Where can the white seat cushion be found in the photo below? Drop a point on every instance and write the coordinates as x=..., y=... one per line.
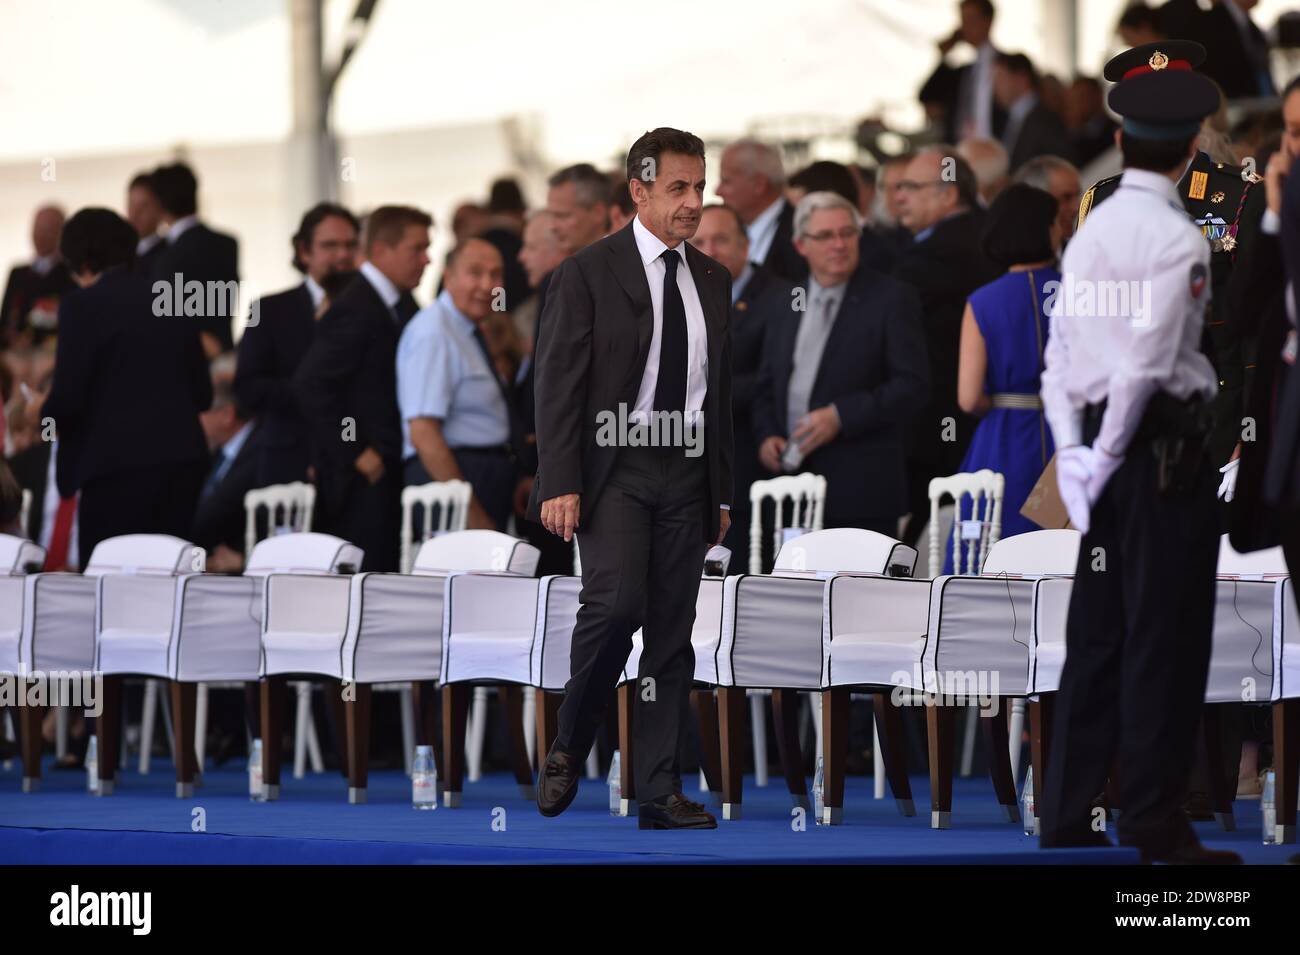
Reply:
x=134, y=651
x=492, y=655
x=886, y=658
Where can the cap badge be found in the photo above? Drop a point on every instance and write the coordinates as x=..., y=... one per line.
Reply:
x=1158, y=61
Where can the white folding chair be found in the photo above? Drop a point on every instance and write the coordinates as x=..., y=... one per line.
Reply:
x=288, y=509
x=806, y=495
x=19, y=558
x=978, y=644
x=771, y=639
x=510, y=631
x=444, y=506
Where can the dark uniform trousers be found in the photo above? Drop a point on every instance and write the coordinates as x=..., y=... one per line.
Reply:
x=1137, y=655
x=642, y=556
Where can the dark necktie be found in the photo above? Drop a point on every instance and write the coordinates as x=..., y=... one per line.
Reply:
x=406, y=308
x=670, y=390
x=506, y=395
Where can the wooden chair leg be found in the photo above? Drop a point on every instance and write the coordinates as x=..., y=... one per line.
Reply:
x=940, y=723
x=1040, y=736
x=889, y=727
x=424, y=694
x=706, y=717
x=1286, y=766
x=184, y=702
x=731, y=733
x=547, y=703
x=997, y=745
x=627, y=752
x=1212, y=741
x=785, y=718
x=835, y=752
x=29, y=739
x=356, y=716
x=274, y=700
x=455, y=712
x=511, y=696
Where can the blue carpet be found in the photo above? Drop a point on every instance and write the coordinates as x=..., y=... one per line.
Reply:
x=312, y=824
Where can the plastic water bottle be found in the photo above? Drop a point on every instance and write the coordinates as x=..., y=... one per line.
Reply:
x=616, y=785
x=255, y=790
x=1269, y=810
x=819, y=788
x=92, y=765
x=424, y=779
x=1029, y=817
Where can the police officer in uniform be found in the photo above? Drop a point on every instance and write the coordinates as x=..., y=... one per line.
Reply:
x=1127, y=397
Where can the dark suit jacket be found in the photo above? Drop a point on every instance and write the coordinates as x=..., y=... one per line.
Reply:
x=219, y=517
x=269, y=355
x=128, y=384
x=1041, y=133
x=765, y=301
x=783, y=259
x=204, y=255
x=144, y=264
x=1227, y=61
x=595, y=335
x=944, y=85
x=31, y=469
x=350, y=371
x=525, y=397
x=873, y=369
x=944, y=269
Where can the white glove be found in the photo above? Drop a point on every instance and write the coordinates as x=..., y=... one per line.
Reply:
x=1228, y=486
x=1073, y=469
x=1102, y=466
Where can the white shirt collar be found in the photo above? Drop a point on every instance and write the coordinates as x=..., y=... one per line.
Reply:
x=1021, y=108
x=315, y=291
x=42, y=264
x=381, y=284
x=1153, y=182
x=143, y=246
x=767, y=218
x=650, y=245
x=738, y=286
x=181, y=226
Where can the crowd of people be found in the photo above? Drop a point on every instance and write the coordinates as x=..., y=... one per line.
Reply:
x=887, y=321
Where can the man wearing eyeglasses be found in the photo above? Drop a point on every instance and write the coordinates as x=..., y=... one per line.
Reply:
x=842, y=373
x=938, y=203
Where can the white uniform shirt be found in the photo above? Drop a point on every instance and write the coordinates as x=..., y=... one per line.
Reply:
x=1127, y=317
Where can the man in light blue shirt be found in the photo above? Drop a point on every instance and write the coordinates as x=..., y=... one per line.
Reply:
x=456, y=412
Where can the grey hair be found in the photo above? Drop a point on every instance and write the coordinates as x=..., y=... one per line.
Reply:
x=1037, y=172
x=822, y=200
x=760, y=157
x=987, y=157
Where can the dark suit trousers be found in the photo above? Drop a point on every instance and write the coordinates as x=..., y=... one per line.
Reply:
x=642, y=556
x=370, y=516
x=153, y=500
x=1137, y=654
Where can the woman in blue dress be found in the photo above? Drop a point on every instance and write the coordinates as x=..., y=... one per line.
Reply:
x=1004, y=331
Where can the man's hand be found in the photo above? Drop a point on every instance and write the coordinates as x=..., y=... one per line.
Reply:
x=1073, y=467
x=224, y=560
x=724, y=524
x=560, y=515
x=1275, y=178
x=370, y=464
x=819, y=426
x=769, y=455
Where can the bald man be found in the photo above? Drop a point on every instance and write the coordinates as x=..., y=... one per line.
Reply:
x=457, y=414
x=30, y=308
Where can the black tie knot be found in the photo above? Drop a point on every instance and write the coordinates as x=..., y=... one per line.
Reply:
x=671, y=259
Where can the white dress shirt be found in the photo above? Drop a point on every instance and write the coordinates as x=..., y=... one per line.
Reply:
x=762, y=231
x=315, y=291
x=381, y=284
x=145, y=245
x=697, y=335
x=1141, y=235
x=180, y=227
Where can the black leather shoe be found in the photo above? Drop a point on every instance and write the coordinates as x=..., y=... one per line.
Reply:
x=1193, y=854
x=675, y=812
x=558, y=782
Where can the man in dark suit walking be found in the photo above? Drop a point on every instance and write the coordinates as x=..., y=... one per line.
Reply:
x=759, y=300
x=272, y=347
x=128, y=388
x=840, y=379
x=636, y=332
x=346, y=386
x=196, y=253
